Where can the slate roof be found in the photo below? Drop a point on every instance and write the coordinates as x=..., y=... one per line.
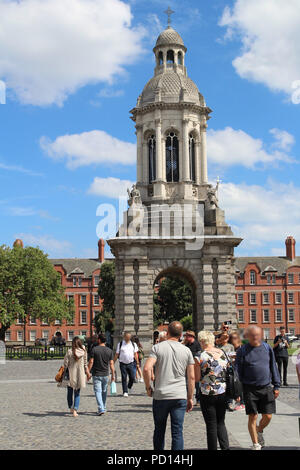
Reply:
x=265, y=264
x=78, y=265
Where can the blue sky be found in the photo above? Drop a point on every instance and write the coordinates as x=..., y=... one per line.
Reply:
x=75, y=69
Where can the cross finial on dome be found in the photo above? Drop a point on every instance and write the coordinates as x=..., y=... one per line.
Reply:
x=169, y=12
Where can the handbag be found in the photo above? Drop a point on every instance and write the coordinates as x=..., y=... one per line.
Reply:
x=113, y=388
x=65, y=380
x=60, y=374
x=234, y=388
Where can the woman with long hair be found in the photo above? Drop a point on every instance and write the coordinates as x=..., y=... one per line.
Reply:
x=75, y=367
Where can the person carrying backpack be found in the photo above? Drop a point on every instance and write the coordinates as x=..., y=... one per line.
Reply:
x=127, y=353
x=257, y=370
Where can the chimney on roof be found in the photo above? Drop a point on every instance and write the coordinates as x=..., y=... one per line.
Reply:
x=101, y=245
x=290, y=244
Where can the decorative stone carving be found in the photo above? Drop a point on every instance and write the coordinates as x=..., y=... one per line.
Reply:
x=134, y=196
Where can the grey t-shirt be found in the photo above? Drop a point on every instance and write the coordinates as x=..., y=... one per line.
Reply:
x=172, y=359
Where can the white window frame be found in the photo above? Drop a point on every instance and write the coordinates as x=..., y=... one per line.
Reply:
x=81, y=303
x=95, y=283
x=21, y=334
x=252, y=281
x=8, y=335
x=85, y=313
x=241, y=316
x=32, y=333
x=32, y=320
x=96, y=304
x=70, y=335
x=266, y=298
x=74, y=281
x=276, y=317
x=252, y=321
x=240, y=298
x=276, y=301
x=43, y=334
x=293, y=315
x=250, y=300
x=266, y=312
x=266, y=333
x=291, y=300
x=291, y=278
x=79, y=281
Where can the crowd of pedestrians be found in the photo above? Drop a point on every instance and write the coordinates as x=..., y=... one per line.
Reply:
x=181, y=366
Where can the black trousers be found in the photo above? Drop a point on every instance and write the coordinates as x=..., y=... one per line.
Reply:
x=214, y=409
x=282, y=361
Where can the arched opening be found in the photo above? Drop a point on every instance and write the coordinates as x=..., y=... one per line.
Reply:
x=160, y=58
x=174, y=298
x=170, y=57
x=179, y=58
x=172, y=158
x=192, y=157
x=152, y=158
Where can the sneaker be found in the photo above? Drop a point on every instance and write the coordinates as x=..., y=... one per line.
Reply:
x=125, y=394
x=141, y=380
x=261, y=440
x=256, y=447
x=101, y=413
x=285, y=384
x=239, y=407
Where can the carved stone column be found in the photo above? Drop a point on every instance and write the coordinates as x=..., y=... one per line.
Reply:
x=139, y=165
x=186, y=153
x=203, y=154
x=159, y=153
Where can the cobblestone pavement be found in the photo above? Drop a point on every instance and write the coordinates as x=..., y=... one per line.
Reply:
x=34, y=414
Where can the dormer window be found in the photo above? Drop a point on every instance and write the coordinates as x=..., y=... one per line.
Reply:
x=160, y=58
x=170, y=57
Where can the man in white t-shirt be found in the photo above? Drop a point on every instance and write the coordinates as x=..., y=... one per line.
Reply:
x=127, y=354
x=172, y=394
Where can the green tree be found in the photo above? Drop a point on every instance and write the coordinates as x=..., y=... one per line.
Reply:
x=30, y=286
x=104, y=319
x=187, y=322
x=172, y=301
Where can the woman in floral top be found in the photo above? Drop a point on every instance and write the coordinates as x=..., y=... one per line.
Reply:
x=210, y=370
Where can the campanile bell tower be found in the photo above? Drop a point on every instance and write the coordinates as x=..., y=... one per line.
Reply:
x=171, y=121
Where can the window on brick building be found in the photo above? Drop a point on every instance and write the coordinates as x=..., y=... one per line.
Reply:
x=290, y=278
x=240, y=299
x=252, y=278
x=266, y=333
x=241, y=316
x=32, y=335
x=273, y=278
x=266, y=298
x=266, y=316
x=20, y=335
x=32, y=320
x=290, y=297
x=96, y=300
x=79, y=282
x=292, y=331
x=74, y=282
x=278, y=315
x=291, y=314
x=278, y=297
x=45, y=334
x=70, y=335
x=20, y=320
x=83, y=317
x=57, y=322
x=7, y=335
x=70, y=297
x=269, y=278
x=252, y=298
x=83, y=333
x=253, y=316
x=83, y=300
x=96, y=281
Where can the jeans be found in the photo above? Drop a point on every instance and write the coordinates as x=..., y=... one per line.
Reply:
x=127, y=369
x=282, y=361
x=161, y=411
x=100, y=389
x=76, y=393
x=214, y=409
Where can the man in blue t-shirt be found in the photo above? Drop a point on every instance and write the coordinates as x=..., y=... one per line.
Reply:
x=258, y=372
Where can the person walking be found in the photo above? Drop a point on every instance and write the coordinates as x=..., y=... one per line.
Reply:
x=211, y=372
x=141, y=355
x=191, y=342
x=258, y=372
x=235, y=340
x=100, y=364
x=127, y=354
x=172, y=361
x=75, y=367
x=281, y=346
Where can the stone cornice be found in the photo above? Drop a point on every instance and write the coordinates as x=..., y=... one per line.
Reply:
x=203, y=110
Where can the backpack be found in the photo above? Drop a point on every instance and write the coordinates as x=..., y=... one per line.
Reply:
x=120, y=347
x=234, y=387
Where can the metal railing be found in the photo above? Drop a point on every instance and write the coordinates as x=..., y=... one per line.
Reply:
x=36, y=352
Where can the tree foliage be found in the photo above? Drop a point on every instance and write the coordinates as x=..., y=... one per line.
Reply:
x=172, y=301
x=104, y=319
x=29, y=285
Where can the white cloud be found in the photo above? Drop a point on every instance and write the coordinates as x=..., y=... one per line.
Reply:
x=228, y=147
x=22, y=211
x=109, y=187
x=51, y=48
x=94, y=147
x=270, y=35
x=19, y=169
x=47, y=243
x=262, y=215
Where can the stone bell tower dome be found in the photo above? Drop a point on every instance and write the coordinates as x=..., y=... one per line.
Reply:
x=171, y=116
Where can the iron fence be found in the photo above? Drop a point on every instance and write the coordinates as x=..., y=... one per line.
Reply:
x=36, y=352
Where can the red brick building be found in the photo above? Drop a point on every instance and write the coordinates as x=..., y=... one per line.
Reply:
x=268, y=291
x=267, y=294
x=80, y=277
